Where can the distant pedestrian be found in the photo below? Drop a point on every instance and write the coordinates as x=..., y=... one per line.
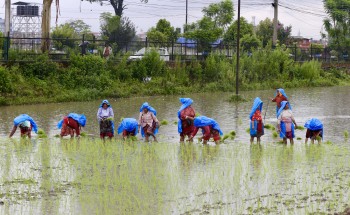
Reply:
x=107, y=51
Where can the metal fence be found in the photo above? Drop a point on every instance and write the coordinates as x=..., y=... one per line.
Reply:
x=28, y=49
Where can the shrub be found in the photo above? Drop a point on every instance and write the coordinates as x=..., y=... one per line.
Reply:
x=5, y=81
x=41, y=68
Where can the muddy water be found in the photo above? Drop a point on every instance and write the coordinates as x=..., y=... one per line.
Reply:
x=40, y=176
x=330, y=105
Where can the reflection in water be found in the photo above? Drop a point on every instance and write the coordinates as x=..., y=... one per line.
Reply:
x=256, y=154
x=209, y=153
x=188, y=155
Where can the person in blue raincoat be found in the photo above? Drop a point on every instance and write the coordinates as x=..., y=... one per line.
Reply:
x=105, y=117
x=26, y=125
x=186, y=116
x=210, y=128
x=256, y=123
x=280, y=97
x=128, y=127
x=71, y=124
x=148, y=121
x=286, y=122
x=314, y=130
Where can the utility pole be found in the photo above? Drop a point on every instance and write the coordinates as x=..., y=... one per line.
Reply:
x=275, y=22
x=186, y=16
x=7, y=16
x=238, y=36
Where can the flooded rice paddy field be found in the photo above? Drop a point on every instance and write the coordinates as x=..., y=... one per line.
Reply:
x=87, y=176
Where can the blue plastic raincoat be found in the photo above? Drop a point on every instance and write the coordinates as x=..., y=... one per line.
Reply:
x=185, y=103
x=257, y=105
x=202, y=121
x=24, y=117
x=80, y=118
x=283, y=126
x=128, y=124
x=314, y=124
x=149, y=108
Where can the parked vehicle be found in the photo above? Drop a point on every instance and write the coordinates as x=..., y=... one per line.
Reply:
x=163, y=53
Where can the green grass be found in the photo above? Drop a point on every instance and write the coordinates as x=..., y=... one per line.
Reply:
x=346, y=134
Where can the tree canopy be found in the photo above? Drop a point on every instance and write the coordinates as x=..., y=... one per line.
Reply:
x=72, y=29
x=163, y=32
x=264, y=32
x=246, y=28
x=117, y=30
x=217, y=17
x=337, y=24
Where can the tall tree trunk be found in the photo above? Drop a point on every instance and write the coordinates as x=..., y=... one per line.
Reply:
x=118, y=7
x=45, y=25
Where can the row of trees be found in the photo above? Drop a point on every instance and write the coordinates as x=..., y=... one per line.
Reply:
x=217, y=23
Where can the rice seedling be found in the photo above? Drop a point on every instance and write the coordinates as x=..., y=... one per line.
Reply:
x=230, y=135
x=132, y=177
x=226, y=136
x=237, y=99
x=299, y=138
x=164, y=122
x=299, y=127
x=247, y=130
x=269, y=127
x=41, y=133
x=175, y=122
x=274, y=134
x=83, y=134
x=346, y=134
x=133, y=138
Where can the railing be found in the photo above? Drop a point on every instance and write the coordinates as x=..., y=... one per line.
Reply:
x=27, y=49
